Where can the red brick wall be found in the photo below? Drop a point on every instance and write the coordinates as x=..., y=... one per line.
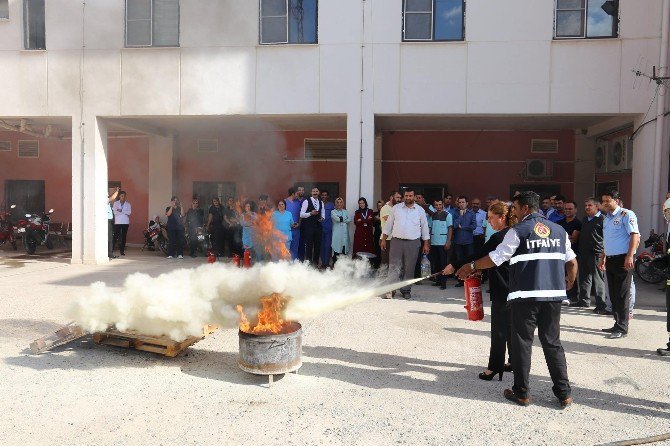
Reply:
x=472, y=163
x=257, y=162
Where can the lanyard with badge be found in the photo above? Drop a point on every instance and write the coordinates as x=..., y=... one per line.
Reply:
x=365, y=216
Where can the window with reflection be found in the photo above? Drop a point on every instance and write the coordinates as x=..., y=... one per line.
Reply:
x=433, y=20
x=288, y=21
x=590, y=19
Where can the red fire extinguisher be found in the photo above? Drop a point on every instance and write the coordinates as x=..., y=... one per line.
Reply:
x=473, y=299
x=236, y=260
x=247, y=258
x=211, y=258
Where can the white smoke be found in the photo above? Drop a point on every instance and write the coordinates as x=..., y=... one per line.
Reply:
x=179, y=303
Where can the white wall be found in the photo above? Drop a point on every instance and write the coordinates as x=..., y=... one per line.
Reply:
x=508, y=63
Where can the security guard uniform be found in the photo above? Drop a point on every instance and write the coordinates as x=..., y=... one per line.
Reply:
x=439, y=233
x=617, y=229
x=537, y=250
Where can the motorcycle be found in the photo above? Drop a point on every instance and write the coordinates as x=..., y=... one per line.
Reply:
x=7, y=229
x=34, y=230
x=156, y=235
x=202, y=239
x=652, y=267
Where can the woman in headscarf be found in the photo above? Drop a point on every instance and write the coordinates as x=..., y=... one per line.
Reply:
x=364, y=221
x=341, y=220
x=500, y=217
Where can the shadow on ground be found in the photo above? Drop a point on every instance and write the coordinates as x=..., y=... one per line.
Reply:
x=365, y=369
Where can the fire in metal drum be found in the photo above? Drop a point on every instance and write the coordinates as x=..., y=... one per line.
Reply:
x=271, y=354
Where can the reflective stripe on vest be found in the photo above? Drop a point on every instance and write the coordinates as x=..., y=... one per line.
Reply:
x=537, y=256
x=536, y=293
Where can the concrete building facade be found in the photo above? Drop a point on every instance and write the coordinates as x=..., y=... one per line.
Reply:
x=444, y=94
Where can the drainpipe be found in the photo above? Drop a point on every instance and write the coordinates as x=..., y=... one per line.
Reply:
x=660, y=121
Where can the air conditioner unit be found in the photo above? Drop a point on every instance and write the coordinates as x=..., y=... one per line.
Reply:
x=539, y=168
x=620, y=156
x=601, y=156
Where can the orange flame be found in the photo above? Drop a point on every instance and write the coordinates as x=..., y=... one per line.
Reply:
x=270, y=238
x=269, y=316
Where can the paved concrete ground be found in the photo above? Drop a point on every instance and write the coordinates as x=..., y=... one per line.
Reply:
x=380, y=372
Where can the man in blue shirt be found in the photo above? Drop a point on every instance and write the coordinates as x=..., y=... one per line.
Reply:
x=293, y=205
x=465, y=224
x=558, y=213
x=480, y=215
x=621, y=238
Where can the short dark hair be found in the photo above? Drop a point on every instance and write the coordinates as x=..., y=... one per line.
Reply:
x=325, y=191
x=393, y=192
x=263, y=197
x=611, y=193
x=528, y=198
x=409, y=189
x=448, y=195
x=546, y=197
x=174, y=197
x=571, y=202
x=463, y=197
x=291, y=190
x=122, y=192
x=560, y=198
x=593, y=199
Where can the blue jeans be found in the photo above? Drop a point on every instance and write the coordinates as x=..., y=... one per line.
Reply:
x=295, y=243
x=176, y=242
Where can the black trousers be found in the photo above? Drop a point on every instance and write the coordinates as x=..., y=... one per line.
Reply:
x=176, y=242
x=619, y=281
x=591, y=280
x=193, y=241
x=526, y=315
x=462, y=252
x=438, y=260
x=217, y=237
x=313, y=234
x=120, y=233
x=110, y=237
x=501, y=332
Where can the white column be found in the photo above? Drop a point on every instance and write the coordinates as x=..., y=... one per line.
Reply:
x=161, y=175
x=89, y=191
x=77, y=193
x=643, y=168
x=378, y=170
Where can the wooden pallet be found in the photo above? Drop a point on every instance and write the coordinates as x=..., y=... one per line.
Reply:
x=162, y=345
x=63, y=335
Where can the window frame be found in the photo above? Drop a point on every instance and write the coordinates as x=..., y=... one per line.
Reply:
x=585, y=25
x=26, y=27
x=288, y=26
x=151, y=21
x=432, y=24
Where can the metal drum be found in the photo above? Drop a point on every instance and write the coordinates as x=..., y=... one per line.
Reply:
x=271, y=354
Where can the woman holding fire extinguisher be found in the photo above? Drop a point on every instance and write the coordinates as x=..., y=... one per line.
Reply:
x=500, y=217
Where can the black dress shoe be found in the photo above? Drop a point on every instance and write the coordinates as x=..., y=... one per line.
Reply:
x=436, y=284
x=608, y=330
x=407, y=295
x=663, y=351
x=443, y=287
x=459, y=284
x=510, y=395
x=617, y=335
x=508, y=368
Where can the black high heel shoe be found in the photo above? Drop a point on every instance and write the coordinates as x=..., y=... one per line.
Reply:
x=487, y=377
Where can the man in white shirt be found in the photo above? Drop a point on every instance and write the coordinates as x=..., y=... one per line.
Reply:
x=384, y=213
x=122, y=211
x=408, y=226
x=312, y=213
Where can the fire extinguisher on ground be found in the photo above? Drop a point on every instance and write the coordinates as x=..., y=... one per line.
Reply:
x=474, y=303
x=247, y=258
x=211, y=257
